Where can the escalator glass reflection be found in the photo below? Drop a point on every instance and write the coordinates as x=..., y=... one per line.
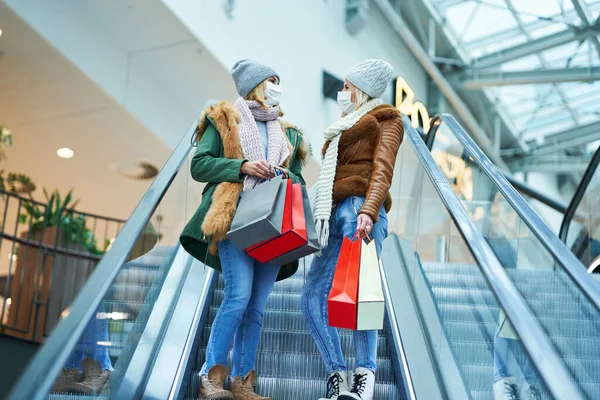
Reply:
x=569, y=317
x=581, y=232
x=471, y=330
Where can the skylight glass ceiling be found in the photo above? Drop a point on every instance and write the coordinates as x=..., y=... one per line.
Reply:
x=484, y=27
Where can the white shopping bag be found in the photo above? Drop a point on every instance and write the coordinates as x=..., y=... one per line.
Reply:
x=371, y=303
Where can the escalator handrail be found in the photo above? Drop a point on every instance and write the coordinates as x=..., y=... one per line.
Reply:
x=571, y=212
x=549, y=240
x=41, y=371
x=435, y=122
x=520, y=186
x=535, y=340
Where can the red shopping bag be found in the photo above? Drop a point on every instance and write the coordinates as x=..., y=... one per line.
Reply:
x=293, y=228
x=342, y=301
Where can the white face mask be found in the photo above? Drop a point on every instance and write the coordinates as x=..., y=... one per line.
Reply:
x=345, y=102
x=272, y=94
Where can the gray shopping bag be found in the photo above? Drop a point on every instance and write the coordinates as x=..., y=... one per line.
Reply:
x=259, y=214
x=312, y=244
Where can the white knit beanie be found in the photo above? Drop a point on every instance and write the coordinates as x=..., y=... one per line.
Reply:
x=371, y=76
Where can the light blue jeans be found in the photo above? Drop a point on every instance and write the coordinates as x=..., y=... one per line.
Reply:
x=503, y=358
x=247, y=287
x=93, y=343
x=318, y=285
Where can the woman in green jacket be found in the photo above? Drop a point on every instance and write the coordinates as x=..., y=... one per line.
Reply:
x=239, y=145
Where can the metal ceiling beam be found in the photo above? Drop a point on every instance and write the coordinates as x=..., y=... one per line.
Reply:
x=446, y=88
x=449, y=3
x=541, y=58
x=535, y=46
x=573, y=137
x=512, y=32
x=475, y=80
x=586, y=18
x=556, y=164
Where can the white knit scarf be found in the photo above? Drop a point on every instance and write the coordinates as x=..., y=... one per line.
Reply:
x=277, y=148
x=322, y=191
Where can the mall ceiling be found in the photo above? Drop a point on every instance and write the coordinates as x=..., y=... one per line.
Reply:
x=49, y=104
x=529, y=72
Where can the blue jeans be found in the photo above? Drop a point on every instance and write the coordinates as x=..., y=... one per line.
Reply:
x=248, y=284
x=93, y=343
x=503, y=357
x=318, y=285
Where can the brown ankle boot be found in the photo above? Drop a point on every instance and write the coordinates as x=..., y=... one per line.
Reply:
x=95, y=378
x=211, y=385
x=66, y=378
x=244, y=390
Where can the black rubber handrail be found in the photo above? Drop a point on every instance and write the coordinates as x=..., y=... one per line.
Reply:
x=41, y=371
x=571, y=212
x=555, y=247
x=524, y=188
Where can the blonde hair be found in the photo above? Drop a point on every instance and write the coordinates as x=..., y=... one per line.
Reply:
x=361, y=98
x=258, y=94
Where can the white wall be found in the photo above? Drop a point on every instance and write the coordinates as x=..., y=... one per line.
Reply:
x=136, y=51
x=299, y=39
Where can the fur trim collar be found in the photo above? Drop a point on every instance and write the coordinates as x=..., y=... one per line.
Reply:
x=226, y=118
x=367, y=126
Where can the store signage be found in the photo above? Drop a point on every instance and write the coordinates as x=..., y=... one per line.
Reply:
x=405, y=102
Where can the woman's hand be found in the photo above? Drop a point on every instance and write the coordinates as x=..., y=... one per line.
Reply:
x=260, y=169
x=284, y=172
x=364, y=225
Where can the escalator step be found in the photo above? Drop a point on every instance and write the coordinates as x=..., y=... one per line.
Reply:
x=298, y=388
x=141, y=275
x=308, y=366
x=127, y=292
x=302, y=342
x=276, y=301
x=526, y=284
x=578, y=328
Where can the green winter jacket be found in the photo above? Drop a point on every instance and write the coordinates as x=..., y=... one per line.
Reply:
x=218, y=139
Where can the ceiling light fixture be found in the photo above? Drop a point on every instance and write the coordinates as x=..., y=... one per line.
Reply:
x=65, y=152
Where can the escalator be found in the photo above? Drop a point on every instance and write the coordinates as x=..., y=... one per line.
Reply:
x=450, y=273
x=579, y=227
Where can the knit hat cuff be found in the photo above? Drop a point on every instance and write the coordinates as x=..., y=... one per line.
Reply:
x=363, y=85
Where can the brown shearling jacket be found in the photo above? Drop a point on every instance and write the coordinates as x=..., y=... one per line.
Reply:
x=366, y=159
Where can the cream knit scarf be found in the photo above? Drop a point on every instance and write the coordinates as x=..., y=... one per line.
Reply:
x=277, y=148
x=322, y=191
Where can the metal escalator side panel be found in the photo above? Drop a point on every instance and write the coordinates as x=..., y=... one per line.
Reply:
x=414, y=321
x=170, y=368
x=135, y=369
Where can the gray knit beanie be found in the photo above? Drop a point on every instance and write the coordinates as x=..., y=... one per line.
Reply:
x=371, y=76
x=248, y=74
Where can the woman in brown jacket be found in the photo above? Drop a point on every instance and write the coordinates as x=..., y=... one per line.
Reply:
x=352, y=196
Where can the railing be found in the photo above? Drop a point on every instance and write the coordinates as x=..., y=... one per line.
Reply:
x=45, y=366
x=540, y=349
x=554, y=246
x=571, y=212
x=47, y=254
x=523, y=188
